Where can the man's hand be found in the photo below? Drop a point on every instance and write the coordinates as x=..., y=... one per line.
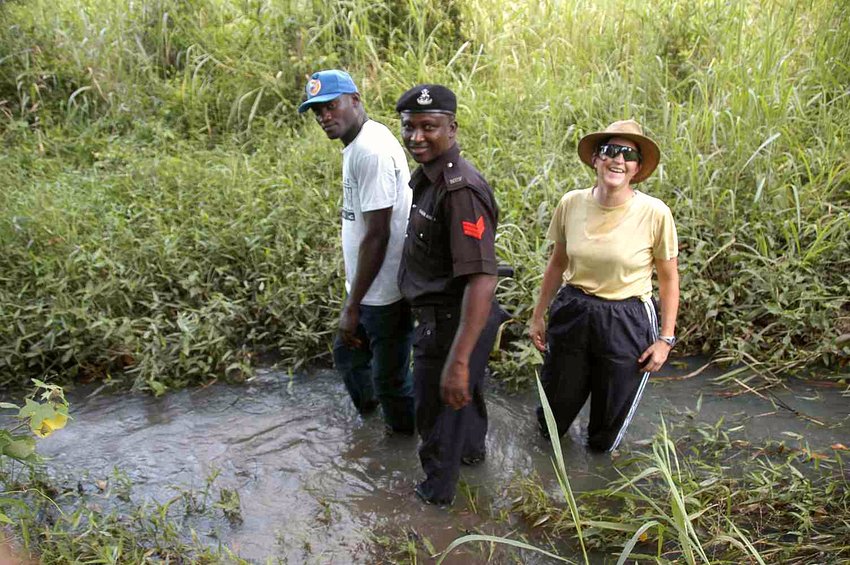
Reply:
x=349, y=319
x=537, y=333
x=654, y=357
x=370, y=257
x=454, y=385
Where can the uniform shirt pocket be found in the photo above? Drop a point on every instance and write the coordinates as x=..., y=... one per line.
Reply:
x=424, y=229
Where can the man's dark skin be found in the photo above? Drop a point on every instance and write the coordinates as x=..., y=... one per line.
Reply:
x=342, y=118
x=427, y=136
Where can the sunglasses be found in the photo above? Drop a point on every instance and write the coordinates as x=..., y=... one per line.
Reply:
x=611, y=150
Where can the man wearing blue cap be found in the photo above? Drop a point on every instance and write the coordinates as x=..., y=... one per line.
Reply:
x=372, y=348
x=448, y=272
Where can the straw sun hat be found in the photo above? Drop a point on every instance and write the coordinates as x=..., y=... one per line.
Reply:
x=627, y=129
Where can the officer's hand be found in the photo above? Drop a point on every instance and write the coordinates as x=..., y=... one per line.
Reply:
x=537, y=333
x=454, y=385
x=654, y=357
x=348, y=321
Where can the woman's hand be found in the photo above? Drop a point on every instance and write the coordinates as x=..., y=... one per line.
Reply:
x=537, y=332
x=551, y=283
x=654, y=357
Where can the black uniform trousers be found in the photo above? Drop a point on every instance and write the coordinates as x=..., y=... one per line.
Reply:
x=448, y=435
x=594, y=346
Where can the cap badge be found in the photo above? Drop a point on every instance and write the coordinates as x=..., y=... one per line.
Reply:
x=314, y=86
x=424, y=98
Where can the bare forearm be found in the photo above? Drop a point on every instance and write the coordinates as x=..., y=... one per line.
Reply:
x=552, y=280
x=669, y=310
x=668, y=292
x=654, y=356
x=370, y=257
x=551, y=284
x=475, y=309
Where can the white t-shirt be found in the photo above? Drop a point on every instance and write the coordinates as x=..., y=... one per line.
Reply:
x=374, y=177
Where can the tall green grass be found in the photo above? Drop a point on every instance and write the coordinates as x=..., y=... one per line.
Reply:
x=674, y=505
x=702, y=493
x=166, y=213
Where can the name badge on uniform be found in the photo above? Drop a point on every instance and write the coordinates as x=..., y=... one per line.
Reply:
x=425, y=215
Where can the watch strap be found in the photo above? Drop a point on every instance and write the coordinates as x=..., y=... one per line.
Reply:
x=668, y=339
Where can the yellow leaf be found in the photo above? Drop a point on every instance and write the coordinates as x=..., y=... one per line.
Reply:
x=50, y=425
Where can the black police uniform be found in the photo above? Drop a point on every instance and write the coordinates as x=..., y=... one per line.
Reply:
x=450, y=235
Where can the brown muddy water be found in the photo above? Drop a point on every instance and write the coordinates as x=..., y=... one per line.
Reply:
x=317, y=482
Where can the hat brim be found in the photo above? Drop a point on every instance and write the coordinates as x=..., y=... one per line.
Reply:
x=318, y=100
x=649, y=152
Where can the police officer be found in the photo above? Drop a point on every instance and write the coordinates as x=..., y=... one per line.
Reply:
x=448, y=272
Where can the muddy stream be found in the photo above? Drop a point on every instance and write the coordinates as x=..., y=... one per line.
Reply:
x=316, y=481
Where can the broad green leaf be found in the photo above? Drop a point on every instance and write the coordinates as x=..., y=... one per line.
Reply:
x=20, y=448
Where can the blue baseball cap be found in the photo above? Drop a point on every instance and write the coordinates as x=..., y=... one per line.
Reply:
x=324, y=86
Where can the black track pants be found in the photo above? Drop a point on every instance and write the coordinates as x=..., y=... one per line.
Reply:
x=594, y=346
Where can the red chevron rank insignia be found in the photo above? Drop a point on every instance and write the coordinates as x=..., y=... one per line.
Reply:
x=475, y=230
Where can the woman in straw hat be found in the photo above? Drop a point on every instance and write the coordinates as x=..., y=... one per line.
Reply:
x=603, y=332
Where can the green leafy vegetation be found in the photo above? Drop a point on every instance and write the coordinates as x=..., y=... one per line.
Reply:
x=44, y=412
x=742, y=502
x=695, y=494
x=166, y=214
x=59, y=523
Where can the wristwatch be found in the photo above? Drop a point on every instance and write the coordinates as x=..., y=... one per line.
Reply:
x=668, y=339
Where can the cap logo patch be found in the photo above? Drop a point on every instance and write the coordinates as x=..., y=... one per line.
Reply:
x=424, y=98
x=314, y=86
x=475, y=230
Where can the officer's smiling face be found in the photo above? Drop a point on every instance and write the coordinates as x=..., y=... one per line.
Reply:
x=427, y=135
x=337, y=116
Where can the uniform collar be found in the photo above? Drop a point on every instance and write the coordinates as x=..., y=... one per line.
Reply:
x=434, y=169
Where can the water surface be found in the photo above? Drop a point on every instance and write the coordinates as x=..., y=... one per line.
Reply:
x=315, y=479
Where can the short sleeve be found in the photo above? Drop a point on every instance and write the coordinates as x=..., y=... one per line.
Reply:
x=666, y=242
x=376, y=179
x=557, y=229
x=472, y=232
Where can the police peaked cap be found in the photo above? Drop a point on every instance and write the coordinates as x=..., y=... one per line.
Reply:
x=427, y=98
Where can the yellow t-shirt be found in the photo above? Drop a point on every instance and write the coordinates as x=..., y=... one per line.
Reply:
x=611, y=251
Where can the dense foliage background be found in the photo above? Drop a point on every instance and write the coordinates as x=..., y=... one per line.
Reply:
x=165, y=213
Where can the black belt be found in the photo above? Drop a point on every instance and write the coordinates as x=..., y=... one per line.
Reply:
x=434, y=312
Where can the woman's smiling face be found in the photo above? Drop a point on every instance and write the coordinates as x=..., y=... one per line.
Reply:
x=615, y=172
